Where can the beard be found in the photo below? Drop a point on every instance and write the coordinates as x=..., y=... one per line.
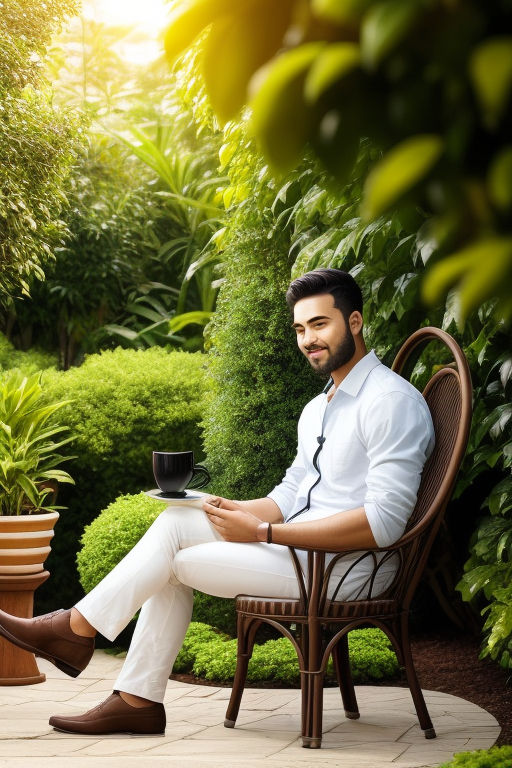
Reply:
x=343, y=353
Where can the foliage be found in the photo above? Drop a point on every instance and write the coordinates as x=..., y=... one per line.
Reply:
x=126, y=404
x=250, y=421
x=487, y=578
x=137, y=268
x=37, y=144
x=28, y=450
x=386, y=70
x=26, y=27
x=217, y=611
x=186, y=187
x=495, y=757
x=114, y=219
x=198, y=634
x=114, y=533
x=253, y=409
x=27, y=362
x=210, y=654
x=89, y=74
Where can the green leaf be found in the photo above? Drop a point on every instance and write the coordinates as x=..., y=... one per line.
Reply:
x=482, y=269
x=57, y=474
x=188, y=318
x=236, y=47
x=339, y=11
x=491, y=72
x=398, y=171
x=119, y=330
x=282, y=121
x=189, y=19
x=384, y=26
x=29, y=488
x=499, y=181
x=332, y=64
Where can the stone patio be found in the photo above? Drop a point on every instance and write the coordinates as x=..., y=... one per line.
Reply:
x=266, y=735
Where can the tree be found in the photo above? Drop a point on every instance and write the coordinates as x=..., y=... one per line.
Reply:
x=37, y=144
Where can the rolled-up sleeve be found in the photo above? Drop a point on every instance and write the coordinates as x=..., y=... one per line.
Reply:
x=399, y=436
x=285, y=493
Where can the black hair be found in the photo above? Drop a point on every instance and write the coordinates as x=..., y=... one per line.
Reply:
x=341, y=285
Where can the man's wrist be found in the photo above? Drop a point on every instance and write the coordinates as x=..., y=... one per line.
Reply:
x=264, y=533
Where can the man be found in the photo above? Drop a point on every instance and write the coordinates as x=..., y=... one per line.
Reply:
x=362, y=444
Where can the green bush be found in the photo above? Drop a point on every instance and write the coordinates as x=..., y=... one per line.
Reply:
x=112, y=535
x=495, y=757
x=260, y=381
x=125, y=404
x=27, y=362
x=217, y=611
x=198, y=635
x=214, y=658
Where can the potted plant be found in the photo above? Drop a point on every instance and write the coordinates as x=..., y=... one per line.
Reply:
x=30, y=442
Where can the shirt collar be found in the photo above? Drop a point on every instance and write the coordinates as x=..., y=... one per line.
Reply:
x=355, y=379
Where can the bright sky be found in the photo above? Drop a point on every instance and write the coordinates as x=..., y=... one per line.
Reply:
x=148, y=17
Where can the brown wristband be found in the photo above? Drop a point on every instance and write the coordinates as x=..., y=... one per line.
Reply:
x=264, y=532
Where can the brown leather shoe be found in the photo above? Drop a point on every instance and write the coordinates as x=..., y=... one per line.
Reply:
x=50, y=637
x=114, y=715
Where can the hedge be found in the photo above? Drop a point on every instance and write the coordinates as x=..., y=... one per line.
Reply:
x=27, y=362
x=260, y=381
x=210, y=655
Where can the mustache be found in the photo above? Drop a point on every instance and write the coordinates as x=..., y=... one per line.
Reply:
x=313, y=347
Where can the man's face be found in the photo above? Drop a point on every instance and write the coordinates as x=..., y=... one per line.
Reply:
x=322, y=334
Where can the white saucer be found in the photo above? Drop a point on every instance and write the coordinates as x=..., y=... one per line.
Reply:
x=192, y=497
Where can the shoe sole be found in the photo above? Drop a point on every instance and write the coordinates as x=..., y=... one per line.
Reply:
x=111, y=734
x=62, y=665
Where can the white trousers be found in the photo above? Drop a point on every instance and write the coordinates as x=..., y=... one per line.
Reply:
x=181, y=552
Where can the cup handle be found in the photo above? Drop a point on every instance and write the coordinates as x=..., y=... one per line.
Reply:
x=203, y=476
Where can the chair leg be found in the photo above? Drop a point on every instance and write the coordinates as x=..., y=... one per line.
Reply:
x=312, y=684
x=246, y=632
x=412, y=679
x=344, y=676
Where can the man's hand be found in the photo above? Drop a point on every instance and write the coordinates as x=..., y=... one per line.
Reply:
x=231, y=522
x=222, y=503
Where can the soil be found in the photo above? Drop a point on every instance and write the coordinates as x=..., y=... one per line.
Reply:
x=450, y=663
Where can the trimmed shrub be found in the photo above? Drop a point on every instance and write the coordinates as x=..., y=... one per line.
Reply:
x=198, y=635
x=125, y=404
x=214, y=657
x=260, y=380
x=495, y=757
x=217, y=611
x=27, y=362
x=112, y=535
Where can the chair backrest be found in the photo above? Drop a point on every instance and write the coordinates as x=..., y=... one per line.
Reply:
x=448, y=394
x=449, y=397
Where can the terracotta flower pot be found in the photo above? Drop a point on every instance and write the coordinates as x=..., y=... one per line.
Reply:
x=24, y=547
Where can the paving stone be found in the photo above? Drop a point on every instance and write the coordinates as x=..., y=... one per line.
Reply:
x=267, y=728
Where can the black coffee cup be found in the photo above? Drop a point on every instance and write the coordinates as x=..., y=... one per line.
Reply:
x=175, y=471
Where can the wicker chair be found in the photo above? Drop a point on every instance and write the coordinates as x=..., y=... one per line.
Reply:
x=318, y=625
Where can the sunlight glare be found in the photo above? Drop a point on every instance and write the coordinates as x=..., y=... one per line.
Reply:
x=147, y=17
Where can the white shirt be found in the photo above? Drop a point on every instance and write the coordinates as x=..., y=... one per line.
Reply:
x=378, y=434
